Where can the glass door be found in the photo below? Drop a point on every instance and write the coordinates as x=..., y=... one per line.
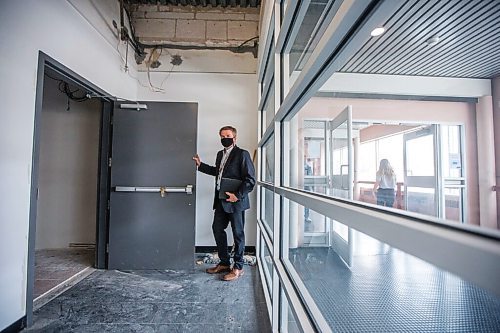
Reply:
x=453, y=174
x=316, y=226
x=420, y=176
x=341, y=178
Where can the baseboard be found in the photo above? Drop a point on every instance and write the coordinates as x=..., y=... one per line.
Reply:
x=17, y=326
x=211, y=249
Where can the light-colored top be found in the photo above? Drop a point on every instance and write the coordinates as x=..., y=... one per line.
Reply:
x=386, y=181
x=225, y=155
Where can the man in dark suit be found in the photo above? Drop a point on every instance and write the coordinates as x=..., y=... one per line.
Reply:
x=234, y=163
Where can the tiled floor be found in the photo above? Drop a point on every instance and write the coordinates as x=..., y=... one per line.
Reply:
x=158, y=301
x=52, y=267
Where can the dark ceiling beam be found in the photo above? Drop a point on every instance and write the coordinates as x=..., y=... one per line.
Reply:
x=204, y=3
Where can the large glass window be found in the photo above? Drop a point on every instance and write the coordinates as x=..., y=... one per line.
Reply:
x=288, y=321
x=268, y=160
x=269, y=66
x=333, y=148
x=307, y=37
x=267, y=209
x=267, y=259
x=268, y=110
x=385, y=135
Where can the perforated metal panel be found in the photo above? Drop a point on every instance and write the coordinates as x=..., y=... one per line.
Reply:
x=393, y=292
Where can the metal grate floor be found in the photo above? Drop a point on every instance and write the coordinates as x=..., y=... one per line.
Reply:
x=392, y=291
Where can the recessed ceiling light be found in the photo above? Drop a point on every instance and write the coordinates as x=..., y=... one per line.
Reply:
x=433, y=40
x=377, y=31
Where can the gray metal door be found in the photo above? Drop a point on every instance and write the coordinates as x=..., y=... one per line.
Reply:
x=152, y=202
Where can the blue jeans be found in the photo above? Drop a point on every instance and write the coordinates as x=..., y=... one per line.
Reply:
x=219, y=226
x=385, y=197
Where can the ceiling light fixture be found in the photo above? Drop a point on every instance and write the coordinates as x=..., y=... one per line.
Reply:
x=433, y=40
x=377, y=31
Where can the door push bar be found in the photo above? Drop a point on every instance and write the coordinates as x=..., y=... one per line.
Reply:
x=161, y=189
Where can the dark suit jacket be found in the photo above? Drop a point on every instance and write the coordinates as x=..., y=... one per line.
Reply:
x=238, y=166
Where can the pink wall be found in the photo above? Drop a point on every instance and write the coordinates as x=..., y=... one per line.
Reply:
x=378, y=131
x=421, y=112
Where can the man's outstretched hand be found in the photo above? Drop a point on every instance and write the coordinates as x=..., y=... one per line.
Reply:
x=197, y=160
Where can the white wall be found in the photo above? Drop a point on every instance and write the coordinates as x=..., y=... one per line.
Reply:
x=223, y=99
x=59, y=30
x=407, y=85
x=79, y=35
x=67, y=183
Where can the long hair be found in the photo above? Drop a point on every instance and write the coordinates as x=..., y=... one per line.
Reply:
x=385, y=168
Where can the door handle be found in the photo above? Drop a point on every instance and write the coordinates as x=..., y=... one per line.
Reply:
x=342, y=167
x=188, y=189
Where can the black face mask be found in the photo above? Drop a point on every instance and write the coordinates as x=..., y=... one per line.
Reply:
x=226, y=142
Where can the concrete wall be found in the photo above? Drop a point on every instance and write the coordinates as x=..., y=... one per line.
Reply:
x=59, y=30
x=188, y=25
x=69, y=148
x=223, y=99
x=201, y=61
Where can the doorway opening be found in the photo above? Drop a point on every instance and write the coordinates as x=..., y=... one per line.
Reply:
x=67, y=187
x=69, y=183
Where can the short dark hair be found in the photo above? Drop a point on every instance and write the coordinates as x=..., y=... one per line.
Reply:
x=228, y=128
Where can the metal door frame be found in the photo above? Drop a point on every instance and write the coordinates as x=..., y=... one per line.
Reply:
x=434, y=180
x=46, y=62
x=454, y=182
x=323, y=181
x=344, y=248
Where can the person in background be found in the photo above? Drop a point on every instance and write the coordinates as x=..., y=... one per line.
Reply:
x=385, y=183
x=235, y=163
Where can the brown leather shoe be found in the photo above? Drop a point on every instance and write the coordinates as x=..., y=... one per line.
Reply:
x=233, y=275
x=218, y=269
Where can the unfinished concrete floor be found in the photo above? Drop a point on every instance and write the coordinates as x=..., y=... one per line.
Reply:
x=157, y=301
x=55, y=266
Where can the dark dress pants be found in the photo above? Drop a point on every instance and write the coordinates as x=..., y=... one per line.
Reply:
x=221, y=222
